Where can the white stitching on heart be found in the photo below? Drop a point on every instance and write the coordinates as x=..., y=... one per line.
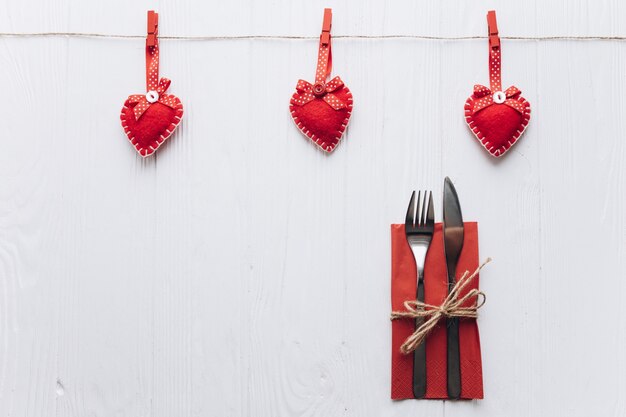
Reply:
x=483, y=141
x=316, y=140
x=173, y=125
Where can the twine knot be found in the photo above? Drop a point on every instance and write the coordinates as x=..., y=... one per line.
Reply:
x=452, y=306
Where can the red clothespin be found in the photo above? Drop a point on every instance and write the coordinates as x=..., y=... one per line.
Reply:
x=153, y=26
x=492, y=24
x=328, y=18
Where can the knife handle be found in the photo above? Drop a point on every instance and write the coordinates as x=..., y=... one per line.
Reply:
x=454, y=359
x=419, y=354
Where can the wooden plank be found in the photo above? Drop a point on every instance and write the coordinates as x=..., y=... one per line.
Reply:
x=243, y=272
x=242, y=17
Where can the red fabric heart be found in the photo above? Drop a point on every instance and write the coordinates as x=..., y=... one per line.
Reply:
x=497, y=126
x=149, y=119
x=319, y=121
x=154, y=127
x=497, y=118
x=322, y=110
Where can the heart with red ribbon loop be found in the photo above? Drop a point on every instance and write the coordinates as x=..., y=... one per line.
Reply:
x=497, y=118
x=322, y=110
x=150, y=119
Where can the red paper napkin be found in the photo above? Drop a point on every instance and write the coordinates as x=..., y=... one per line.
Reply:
x=403, y=288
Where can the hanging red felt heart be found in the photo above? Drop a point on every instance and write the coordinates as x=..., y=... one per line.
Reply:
x=149, y=119
x=497, y=125
x=322, y=110
x=157, y=123
x=497, y=118
x=324, y=117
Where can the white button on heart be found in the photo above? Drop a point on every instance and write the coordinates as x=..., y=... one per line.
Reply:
x=152, y=96
x=499, y=97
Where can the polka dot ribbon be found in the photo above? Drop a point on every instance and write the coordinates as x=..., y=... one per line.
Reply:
x=155, y=87
x=152, y=66
x=495, y=71
x=306, y=93
x=487, y=96
x=156, y=96
x=322, y=89
x=324, y=53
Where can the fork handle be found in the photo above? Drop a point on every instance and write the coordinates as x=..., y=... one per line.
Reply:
x=419, y=354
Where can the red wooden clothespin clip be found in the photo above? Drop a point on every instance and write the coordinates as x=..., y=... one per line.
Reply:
x=153, y=26
x=328, y=18
x=494, y=39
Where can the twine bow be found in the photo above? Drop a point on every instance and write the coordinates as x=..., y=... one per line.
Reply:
x=142, y=102
x=308, y=92
x=453, y=306
x=486, y=98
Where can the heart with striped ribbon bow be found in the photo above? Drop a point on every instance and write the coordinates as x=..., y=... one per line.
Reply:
x=497, y=118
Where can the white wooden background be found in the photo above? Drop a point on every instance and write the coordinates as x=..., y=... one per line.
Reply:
x=241, y=272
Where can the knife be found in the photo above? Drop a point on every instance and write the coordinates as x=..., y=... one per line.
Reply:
x=453, y=243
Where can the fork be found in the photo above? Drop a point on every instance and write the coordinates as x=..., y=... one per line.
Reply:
x=419, y=226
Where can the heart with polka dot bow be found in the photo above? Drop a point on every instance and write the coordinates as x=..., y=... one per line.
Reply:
x=150, y=119
x=322, y=110
x=497, y=118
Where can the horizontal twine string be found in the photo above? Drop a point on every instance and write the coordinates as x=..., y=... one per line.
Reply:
x=277, y=37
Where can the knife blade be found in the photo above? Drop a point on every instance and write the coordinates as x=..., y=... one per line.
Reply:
x=453, y=234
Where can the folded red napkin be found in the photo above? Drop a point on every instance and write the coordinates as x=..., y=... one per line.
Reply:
x=404, y=287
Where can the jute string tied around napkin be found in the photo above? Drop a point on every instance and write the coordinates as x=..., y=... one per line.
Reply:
x=452, y=306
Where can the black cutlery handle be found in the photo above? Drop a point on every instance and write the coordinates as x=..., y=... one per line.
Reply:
x=454, y=359
x=419, y=355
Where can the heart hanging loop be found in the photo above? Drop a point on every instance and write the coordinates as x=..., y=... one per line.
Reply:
x=495, y=61
x=152, y=52
x=324, y=55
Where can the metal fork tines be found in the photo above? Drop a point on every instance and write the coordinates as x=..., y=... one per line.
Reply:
x=419, y=227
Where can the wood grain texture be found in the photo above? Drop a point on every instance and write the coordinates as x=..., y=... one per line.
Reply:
x=241, y=272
